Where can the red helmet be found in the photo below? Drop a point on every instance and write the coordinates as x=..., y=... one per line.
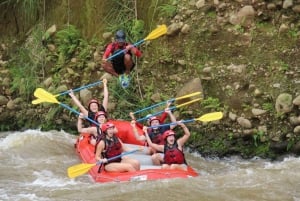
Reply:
x=168, y=133
x=153, y=118
x=106, y=126
x=98, y=114
x=93, y=101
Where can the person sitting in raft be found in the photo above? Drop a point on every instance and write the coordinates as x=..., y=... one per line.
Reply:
x=162, y=118
x=111, y=146
x=172, y=149
x=95, y=131
x=93, y=105
x=155, y=133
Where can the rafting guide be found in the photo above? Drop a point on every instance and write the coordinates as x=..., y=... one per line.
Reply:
x=122, y=64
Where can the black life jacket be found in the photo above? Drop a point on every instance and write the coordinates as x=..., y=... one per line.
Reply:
x=156, y=136
x=172, y=155
x=100, y=136
x=112, y=148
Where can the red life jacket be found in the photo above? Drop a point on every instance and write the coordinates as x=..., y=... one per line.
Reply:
x=112, y=148
x=157, y=137
x=100, y=136
x=172, y=155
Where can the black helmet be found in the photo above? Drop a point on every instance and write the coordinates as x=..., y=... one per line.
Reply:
x=120, y=36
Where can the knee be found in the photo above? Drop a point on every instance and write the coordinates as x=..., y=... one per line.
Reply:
x=127, y=57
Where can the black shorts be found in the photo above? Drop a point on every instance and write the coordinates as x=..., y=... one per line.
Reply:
x=118, y=63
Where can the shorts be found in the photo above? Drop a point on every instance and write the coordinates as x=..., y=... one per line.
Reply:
x=118, y=63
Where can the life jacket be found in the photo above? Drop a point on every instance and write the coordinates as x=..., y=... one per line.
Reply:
x=156, y=136
x=172, y=155
x=112, y=148
x=100, y=136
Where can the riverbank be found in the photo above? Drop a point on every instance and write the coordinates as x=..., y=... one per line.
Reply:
x=242, y=56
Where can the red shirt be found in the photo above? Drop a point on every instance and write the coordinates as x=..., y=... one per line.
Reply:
x=112, y=47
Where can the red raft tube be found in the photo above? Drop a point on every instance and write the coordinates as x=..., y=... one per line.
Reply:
x=148, y=171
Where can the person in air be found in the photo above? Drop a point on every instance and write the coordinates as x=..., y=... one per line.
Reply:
x=93, y=105
x=122, y=64
x=111, y=146
x=172, y=149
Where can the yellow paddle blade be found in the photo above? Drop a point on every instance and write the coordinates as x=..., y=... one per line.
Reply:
x=79, y=169
x=210, y=117
x=45, y=96
x=187, y=103
x=159, y=31
x=38, y=101
x=189, y=95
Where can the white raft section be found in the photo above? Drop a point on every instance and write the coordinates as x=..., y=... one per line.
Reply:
x=142, y=156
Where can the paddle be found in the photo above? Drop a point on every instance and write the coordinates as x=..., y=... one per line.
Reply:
x=37, y=101
x=159, y=31
x=45, y=96
x=80, y=169
x=170, y=100
x=171, y=108
x=213, y=116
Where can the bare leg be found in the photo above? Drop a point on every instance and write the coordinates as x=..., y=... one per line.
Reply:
x=109, y=68
x=128, y=63
x=135, y=163
x=119, y=167
x=157, y=159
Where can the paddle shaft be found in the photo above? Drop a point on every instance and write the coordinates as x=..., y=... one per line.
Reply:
x=76, y=112
x=119, y=156
x=164, y=102
x=124, y=50
x=80, y=88
x=174, y=123
x=154, y=106
x=171, y=108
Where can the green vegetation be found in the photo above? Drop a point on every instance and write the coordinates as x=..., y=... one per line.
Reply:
x=257, y=137
x=167, y=10
x=29, y=61
x=211, y=103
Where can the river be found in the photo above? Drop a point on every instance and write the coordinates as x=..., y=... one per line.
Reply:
x=34, y=168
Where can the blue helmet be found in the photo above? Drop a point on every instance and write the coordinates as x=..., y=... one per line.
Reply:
x=120, y=36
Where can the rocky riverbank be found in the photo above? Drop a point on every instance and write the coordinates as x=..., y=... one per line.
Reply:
x=242, y=55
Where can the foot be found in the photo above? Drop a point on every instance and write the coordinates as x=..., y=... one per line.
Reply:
x=124, y=80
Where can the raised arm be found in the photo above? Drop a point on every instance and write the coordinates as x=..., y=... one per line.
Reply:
x=105, y=95
x=136, y=123
x=164, y=115
x=151, y=144
x=186, y=135
x=91, y=130
x=135, y=132
x=172, y=117
x=78, y=103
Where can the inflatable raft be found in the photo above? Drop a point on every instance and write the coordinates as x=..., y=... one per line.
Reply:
x=148, y=171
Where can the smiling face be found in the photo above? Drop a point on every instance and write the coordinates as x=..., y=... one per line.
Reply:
x=110, y=131
x=101, y=119
x=94, y=107
x=171, y=139
x=154, y=122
